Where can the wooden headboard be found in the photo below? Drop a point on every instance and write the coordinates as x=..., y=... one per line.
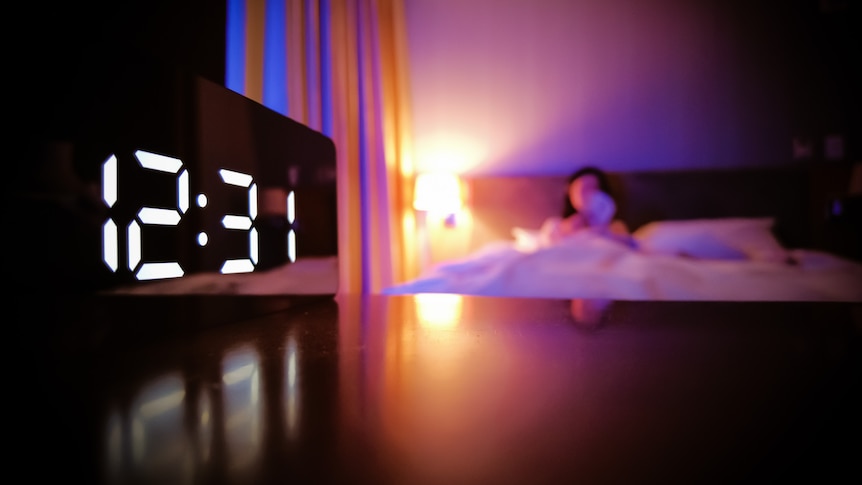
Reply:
x=797, y=197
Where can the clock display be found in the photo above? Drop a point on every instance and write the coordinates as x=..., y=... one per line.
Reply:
x=172, y=217
x=166, y=174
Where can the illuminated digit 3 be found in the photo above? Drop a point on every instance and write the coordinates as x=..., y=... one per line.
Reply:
x=242, y=222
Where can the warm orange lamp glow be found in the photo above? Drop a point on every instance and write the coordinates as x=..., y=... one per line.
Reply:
x=437, y=192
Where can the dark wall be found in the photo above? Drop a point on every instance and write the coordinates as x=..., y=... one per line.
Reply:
x=60, y=46
x=825, y=74
x=542, y=87
x=190, y=33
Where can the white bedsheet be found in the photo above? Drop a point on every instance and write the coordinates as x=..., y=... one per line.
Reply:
x=306, y=276
x=589, y=266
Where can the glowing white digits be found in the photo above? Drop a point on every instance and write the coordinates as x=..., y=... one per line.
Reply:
x=160, y=217
x=145, y=216
x=110, y=243
x=291, y=234
x=242, y=222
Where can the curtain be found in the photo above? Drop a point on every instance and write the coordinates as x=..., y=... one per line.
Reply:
x=340, y=67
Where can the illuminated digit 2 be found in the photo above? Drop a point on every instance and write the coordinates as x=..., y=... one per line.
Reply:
x=157, y=216
x=242, y=222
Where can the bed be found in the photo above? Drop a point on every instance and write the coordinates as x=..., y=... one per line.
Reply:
x=730, y=235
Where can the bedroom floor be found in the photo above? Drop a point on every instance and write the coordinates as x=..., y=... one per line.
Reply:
x=433, y=389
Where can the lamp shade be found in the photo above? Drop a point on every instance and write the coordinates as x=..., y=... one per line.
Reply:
x=437, y=192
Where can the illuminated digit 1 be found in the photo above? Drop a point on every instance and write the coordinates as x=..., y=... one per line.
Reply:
x=157, y=216
x=110, y=244
x=243, y=222
x=291, y=234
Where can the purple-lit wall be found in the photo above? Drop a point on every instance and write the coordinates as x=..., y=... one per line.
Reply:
x=542, y=86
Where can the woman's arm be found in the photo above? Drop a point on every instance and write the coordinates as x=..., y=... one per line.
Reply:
x=556, y=228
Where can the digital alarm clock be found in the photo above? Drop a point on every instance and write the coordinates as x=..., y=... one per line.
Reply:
x=144, y=172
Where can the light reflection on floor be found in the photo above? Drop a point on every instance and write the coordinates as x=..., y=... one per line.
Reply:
x=149, y=439
x=242, y=409
x=167, y=431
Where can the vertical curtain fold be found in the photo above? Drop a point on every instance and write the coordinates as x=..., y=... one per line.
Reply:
x=347, y=77
x=397, y=148
x=297, y=100
x=254, y=44
x=312, y=49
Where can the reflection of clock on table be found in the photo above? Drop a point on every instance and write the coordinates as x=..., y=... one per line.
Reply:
x=145, y=172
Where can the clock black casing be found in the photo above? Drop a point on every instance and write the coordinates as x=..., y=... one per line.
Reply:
x=55, y=209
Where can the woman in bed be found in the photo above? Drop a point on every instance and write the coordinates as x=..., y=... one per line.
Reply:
x=588, y=205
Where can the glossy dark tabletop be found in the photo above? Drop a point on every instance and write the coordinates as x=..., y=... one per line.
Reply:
x=433, y=389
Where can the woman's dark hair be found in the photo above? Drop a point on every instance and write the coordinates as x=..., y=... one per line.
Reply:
x=604, y=186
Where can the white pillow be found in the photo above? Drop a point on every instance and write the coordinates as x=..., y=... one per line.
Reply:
x=723, y=238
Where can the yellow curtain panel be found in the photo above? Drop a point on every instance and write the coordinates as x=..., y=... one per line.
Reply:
x=346, y=76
